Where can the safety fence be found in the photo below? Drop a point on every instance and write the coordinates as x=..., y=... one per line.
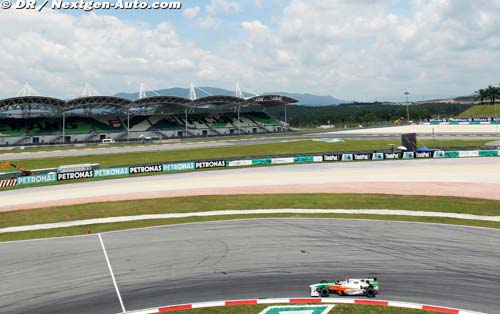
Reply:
x=89, y=171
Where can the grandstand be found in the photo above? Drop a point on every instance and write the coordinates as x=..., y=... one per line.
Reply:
x=31, y=119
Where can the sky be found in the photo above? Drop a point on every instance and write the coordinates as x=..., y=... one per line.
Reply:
x=350, y=49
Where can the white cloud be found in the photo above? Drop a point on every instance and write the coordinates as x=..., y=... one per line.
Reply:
x=191, y=13
x=213, y=10
x=209, y=21
x=111, y=54
x=255, y=26
x=217, y=7
x=349, y=49
x=362, y=49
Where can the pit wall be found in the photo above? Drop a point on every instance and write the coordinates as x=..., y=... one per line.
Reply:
x=68, y=173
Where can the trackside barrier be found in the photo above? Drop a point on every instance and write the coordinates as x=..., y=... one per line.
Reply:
x=471, y=153
x=111, y=172
x=408, y=155
x=488, y=153
x=189, y=306
x=347, y=157
x=265, y=161
x=178, y=166
x=90, y=170
x=451, y=154
x=439, y=154
x=275, y=161
x=300, y=159
x=240, y=163
x=8, y=183
x=41, y=178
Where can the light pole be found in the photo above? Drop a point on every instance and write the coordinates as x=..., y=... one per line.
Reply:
x=407, y=106
x=239, y=129
x=128, y=125
x=64, y=127
x=186, y=120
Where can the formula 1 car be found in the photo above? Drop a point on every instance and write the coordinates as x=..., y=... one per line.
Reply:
x=367, y=287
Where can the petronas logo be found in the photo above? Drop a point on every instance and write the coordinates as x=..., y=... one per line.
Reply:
x=298, y=309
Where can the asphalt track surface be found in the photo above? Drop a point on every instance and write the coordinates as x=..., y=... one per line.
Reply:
x=423, y=263
x=231, y=142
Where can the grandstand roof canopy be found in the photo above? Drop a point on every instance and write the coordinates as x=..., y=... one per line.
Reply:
x=272, y=100
x=219, y=101
x=162, y=100
x=98, y=101
x=19, y=103
x=118, y=103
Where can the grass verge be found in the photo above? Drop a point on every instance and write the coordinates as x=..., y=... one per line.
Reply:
x=298, y=147
x=480, y=111
x=236, y=202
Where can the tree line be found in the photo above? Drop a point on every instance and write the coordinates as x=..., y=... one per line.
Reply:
x=491, y=93
x=313, y=116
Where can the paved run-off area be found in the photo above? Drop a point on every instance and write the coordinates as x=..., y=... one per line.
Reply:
x=450, y=266
x=469, y=177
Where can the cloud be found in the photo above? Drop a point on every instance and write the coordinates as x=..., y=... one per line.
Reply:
x=191, y=13
x=213, y=10
x=57, y=53
x=220, y=7
x=348, y=49
x=209, y=21
x=363, y=49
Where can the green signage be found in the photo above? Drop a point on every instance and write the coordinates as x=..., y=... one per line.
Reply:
x=488, y=153
x=450, y=154
x=109, y=172
x=266, y=161
x=299, y=159
x=178, y=166
x=41, y=178
x=298, y=309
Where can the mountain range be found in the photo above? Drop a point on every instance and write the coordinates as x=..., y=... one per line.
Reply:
x=304, y=99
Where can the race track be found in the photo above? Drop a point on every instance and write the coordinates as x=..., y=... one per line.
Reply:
x=434, y=264
x=480, y=132
x=473, y=177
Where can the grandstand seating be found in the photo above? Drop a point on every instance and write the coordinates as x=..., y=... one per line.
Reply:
x=140, y=123
x=166, y=123
x=262, y=118
x=51, y=126
x=219, y=121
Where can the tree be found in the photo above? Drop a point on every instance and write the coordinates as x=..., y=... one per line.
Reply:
x=492, y=93
x=481, y=94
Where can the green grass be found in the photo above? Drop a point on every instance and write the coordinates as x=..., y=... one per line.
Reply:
x=338, y=309
x=235, y=202
x=298, y=147
x=481, y=111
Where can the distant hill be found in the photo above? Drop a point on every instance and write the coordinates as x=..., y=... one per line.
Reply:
x=304, y=99
x=312, y=100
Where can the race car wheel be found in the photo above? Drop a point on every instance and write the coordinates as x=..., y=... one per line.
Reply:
x=370, y=293
x=323, y=281
x=325, y=292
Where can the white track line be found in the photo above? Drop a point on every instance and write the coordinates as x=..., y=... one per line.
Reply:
x=112, y=275
x=394, y=212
